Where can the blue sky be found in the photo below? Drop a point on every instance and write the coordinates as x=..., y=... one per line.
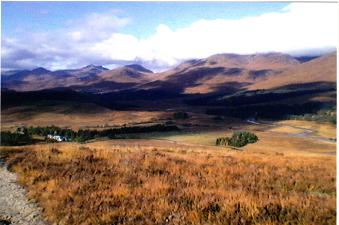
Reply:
x=144, y=16
x=158, y=35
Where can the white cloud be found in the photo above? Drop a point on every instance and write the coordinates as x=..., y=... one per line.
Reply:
x=64, y=48
x=117, y=46
x=95, y=26
x=298, y=28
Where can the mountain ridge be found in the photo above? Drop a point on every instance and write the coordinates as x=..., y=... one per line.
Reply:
x=212, y=74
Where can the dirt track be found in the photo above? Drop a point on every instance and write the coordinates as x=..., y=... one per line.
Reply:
x=15, y=208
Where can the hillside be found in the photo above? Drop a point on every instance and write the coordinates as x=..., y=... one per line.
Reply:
x=252, y=62
x=322, y=69
x=126, y=74
x=88, y=78
x=40, y=78
x=225, y=73
x=221, y=73
x=275, y=61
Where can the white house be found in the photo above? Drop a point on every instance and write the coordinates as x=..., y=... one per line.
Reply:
x=57, y=137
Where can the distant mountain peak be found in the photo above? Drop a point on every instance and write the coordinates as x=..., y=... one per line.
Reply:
x=40, y=70
x=92, y=66
x=271, y=54
x=138, y=68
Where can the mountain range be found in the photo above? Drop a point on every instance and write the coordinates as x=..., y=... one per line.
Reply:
x=272, y=85
x=216, y=74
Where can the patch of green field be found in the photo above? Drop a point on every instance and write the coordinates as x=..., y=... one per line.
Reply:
x=196, y=138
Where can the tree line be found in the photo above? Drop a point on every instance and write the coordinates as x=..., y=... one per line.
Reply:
x=24, y=135
x=9, y=138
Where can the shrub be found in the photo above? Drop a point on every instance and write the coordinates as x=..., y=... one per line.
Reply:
x=333, y=120
x=238, y=139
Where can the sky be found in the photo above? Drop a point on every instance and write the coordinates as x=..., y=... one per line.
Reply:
x=158, y=35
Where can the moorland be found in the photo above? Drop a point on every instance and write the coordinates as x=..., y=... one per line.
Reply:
x=141, y=146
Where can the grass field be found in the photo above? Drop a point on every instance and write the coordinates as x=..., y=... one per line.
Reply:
x=81, y=116
x=326, y=130
x=183, y=178
x=281, y=137
x=82, y=184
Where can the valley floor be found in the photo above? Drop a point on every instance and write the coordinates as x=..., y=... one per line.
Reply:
x=287, y=177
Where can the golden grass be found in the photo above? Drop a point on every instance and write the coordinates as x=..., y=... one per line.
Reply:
x=131, y=183
x=65, y=117
x=200, y=138
x=286, y=129
x=280, y=143
x=275, y=140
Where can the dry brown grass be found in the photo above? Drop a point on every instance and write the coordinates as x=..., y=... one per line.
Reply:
x=92, y=184
x=271, y=138
x=275, y=142
x=286, y=129
x=90, y=116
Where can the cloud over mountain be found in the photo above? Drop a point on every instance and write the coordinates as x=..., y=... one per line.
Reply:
x=299, y=28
